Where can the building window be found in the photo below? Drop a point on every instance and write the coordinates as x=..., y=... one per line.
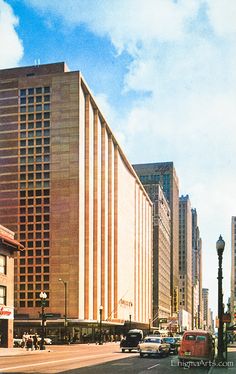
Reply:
x=2, y=295
x=2, y=264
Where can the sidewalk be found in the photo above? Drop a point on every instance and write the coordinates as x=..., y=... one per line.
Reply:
x=231, y=363
x=6, y=352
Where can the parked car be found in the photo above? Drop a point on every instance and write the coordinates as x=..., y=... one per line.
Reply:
x=132, y=340
x=173, y=344
x=46, y=340
x=154, y=345
x=197, y=345
x=18, y=343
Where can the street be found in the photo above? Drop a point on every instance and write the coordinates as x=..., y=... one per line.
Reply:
x=88, y=359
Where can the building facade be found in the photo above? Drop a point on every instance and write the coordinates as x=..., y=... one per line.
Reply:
x=164, y=173
x=196, y=271
x=8, y=245
x=205, y=302
x=233, y=271
x=74, y=200
x=185, y=254
x=161, y=254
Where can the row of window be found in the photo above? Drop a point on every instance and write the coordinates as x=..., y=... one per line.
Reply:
x=34, y=142
x=33, y=99
x=34, y=90
x=31, y=304
x=32, y=125
x=31, y=269
x=31, y=295
x=34, y=108
x=31, y=261
x=34, y=252
x=36, y=133
x=35, y=227
x=37, y=286
x=34, y=278
x=34, y=116
x=39, y=175
x=36, y=167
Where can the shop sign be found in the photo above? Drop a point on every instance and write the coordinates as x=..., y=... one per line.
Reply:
x=6, y=312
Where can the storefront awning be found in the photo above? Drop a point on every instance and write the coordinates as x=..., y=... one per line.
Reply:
x=11, y=242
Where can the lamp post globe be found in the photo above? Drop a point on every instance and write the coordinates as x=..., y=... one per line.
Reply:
x=220, y=246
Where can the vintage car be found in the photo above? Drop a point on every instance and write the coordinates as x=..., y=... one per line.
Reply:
x=197, y=345
x=173, y=344
x=154, y=345
x=132, y=340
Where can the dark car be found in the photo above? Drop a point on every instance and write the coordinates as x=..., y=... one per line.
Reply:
x=131, y=341
x=173, y=344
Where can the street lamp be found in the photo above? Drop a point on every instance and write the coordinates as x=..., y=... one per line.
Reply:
x=43, y=297
x=100, y=325
x=220, y=245
x=65, y=305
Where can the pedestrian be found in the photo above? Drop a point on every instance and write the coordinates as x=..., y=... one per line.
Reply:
x=35, y=341
x=29, y=343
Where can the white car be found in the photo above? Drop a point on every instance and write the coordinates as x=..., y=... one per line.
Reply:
x=154, y=345
x=46, y=340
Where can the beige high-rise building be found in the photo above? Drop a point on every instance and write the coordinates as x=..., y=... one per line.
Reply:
x=196, y=271
x=161, y=254
x=164, y=173
x=75, y=202
x=185, y=254
x=233, y=271
x=205, y=302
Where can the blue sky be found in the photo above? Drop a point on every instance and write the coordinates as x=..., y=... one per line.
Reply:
x=163, y=73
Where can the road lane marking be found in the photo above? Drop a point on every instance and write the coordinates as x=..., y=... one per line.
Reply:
x=51, y=362
x=151, y=367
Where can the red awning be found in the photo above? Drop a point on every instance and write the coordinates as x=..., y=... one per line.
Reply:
x=11, y=242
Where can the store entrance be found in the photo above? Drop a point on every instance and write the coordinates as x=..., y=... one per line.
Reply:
x=3, y=332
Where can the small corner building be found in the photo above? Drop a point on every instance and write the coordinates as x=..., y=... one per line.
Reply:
x=8, y=246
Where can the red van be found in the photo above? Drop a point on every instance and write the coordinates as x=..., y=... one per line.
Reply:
x=197, y=345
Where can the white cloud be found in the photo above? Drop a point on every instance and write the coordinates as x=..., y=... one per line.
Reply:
x=11, y=48
x=222, y=15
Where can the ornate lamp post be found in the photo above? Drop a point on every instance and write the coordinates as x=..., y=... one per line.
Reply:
x=43, y=297
x=65, y=305
x=100, y=325
x=220, y=245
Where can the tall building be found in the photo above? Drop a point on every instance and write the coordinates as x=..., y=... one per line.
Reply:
x=196, y=271
x=205, y=302
x=233, y=271
x=75, y=202
x=161, y=254
x=164, y=173
x=185, y=255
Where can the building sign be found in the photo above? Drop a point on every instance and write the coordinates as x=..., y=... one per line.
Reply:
x=126, y=303
x=6, y=312
x=226, y=318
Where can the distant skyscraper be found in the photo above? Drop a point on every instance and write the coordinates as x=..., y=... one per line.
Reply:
x=233, y=270
x=161, y=253
x=205, y=301
x=164, y=173
x=185, y=254
x=196, y=271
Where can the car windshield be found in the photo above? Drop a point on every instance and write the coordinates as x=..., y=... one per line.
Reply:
x=152, y=340
x=190, y=337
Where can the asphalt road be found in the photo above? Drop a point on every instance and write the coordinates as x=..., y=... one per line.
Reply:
x=89, y=359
